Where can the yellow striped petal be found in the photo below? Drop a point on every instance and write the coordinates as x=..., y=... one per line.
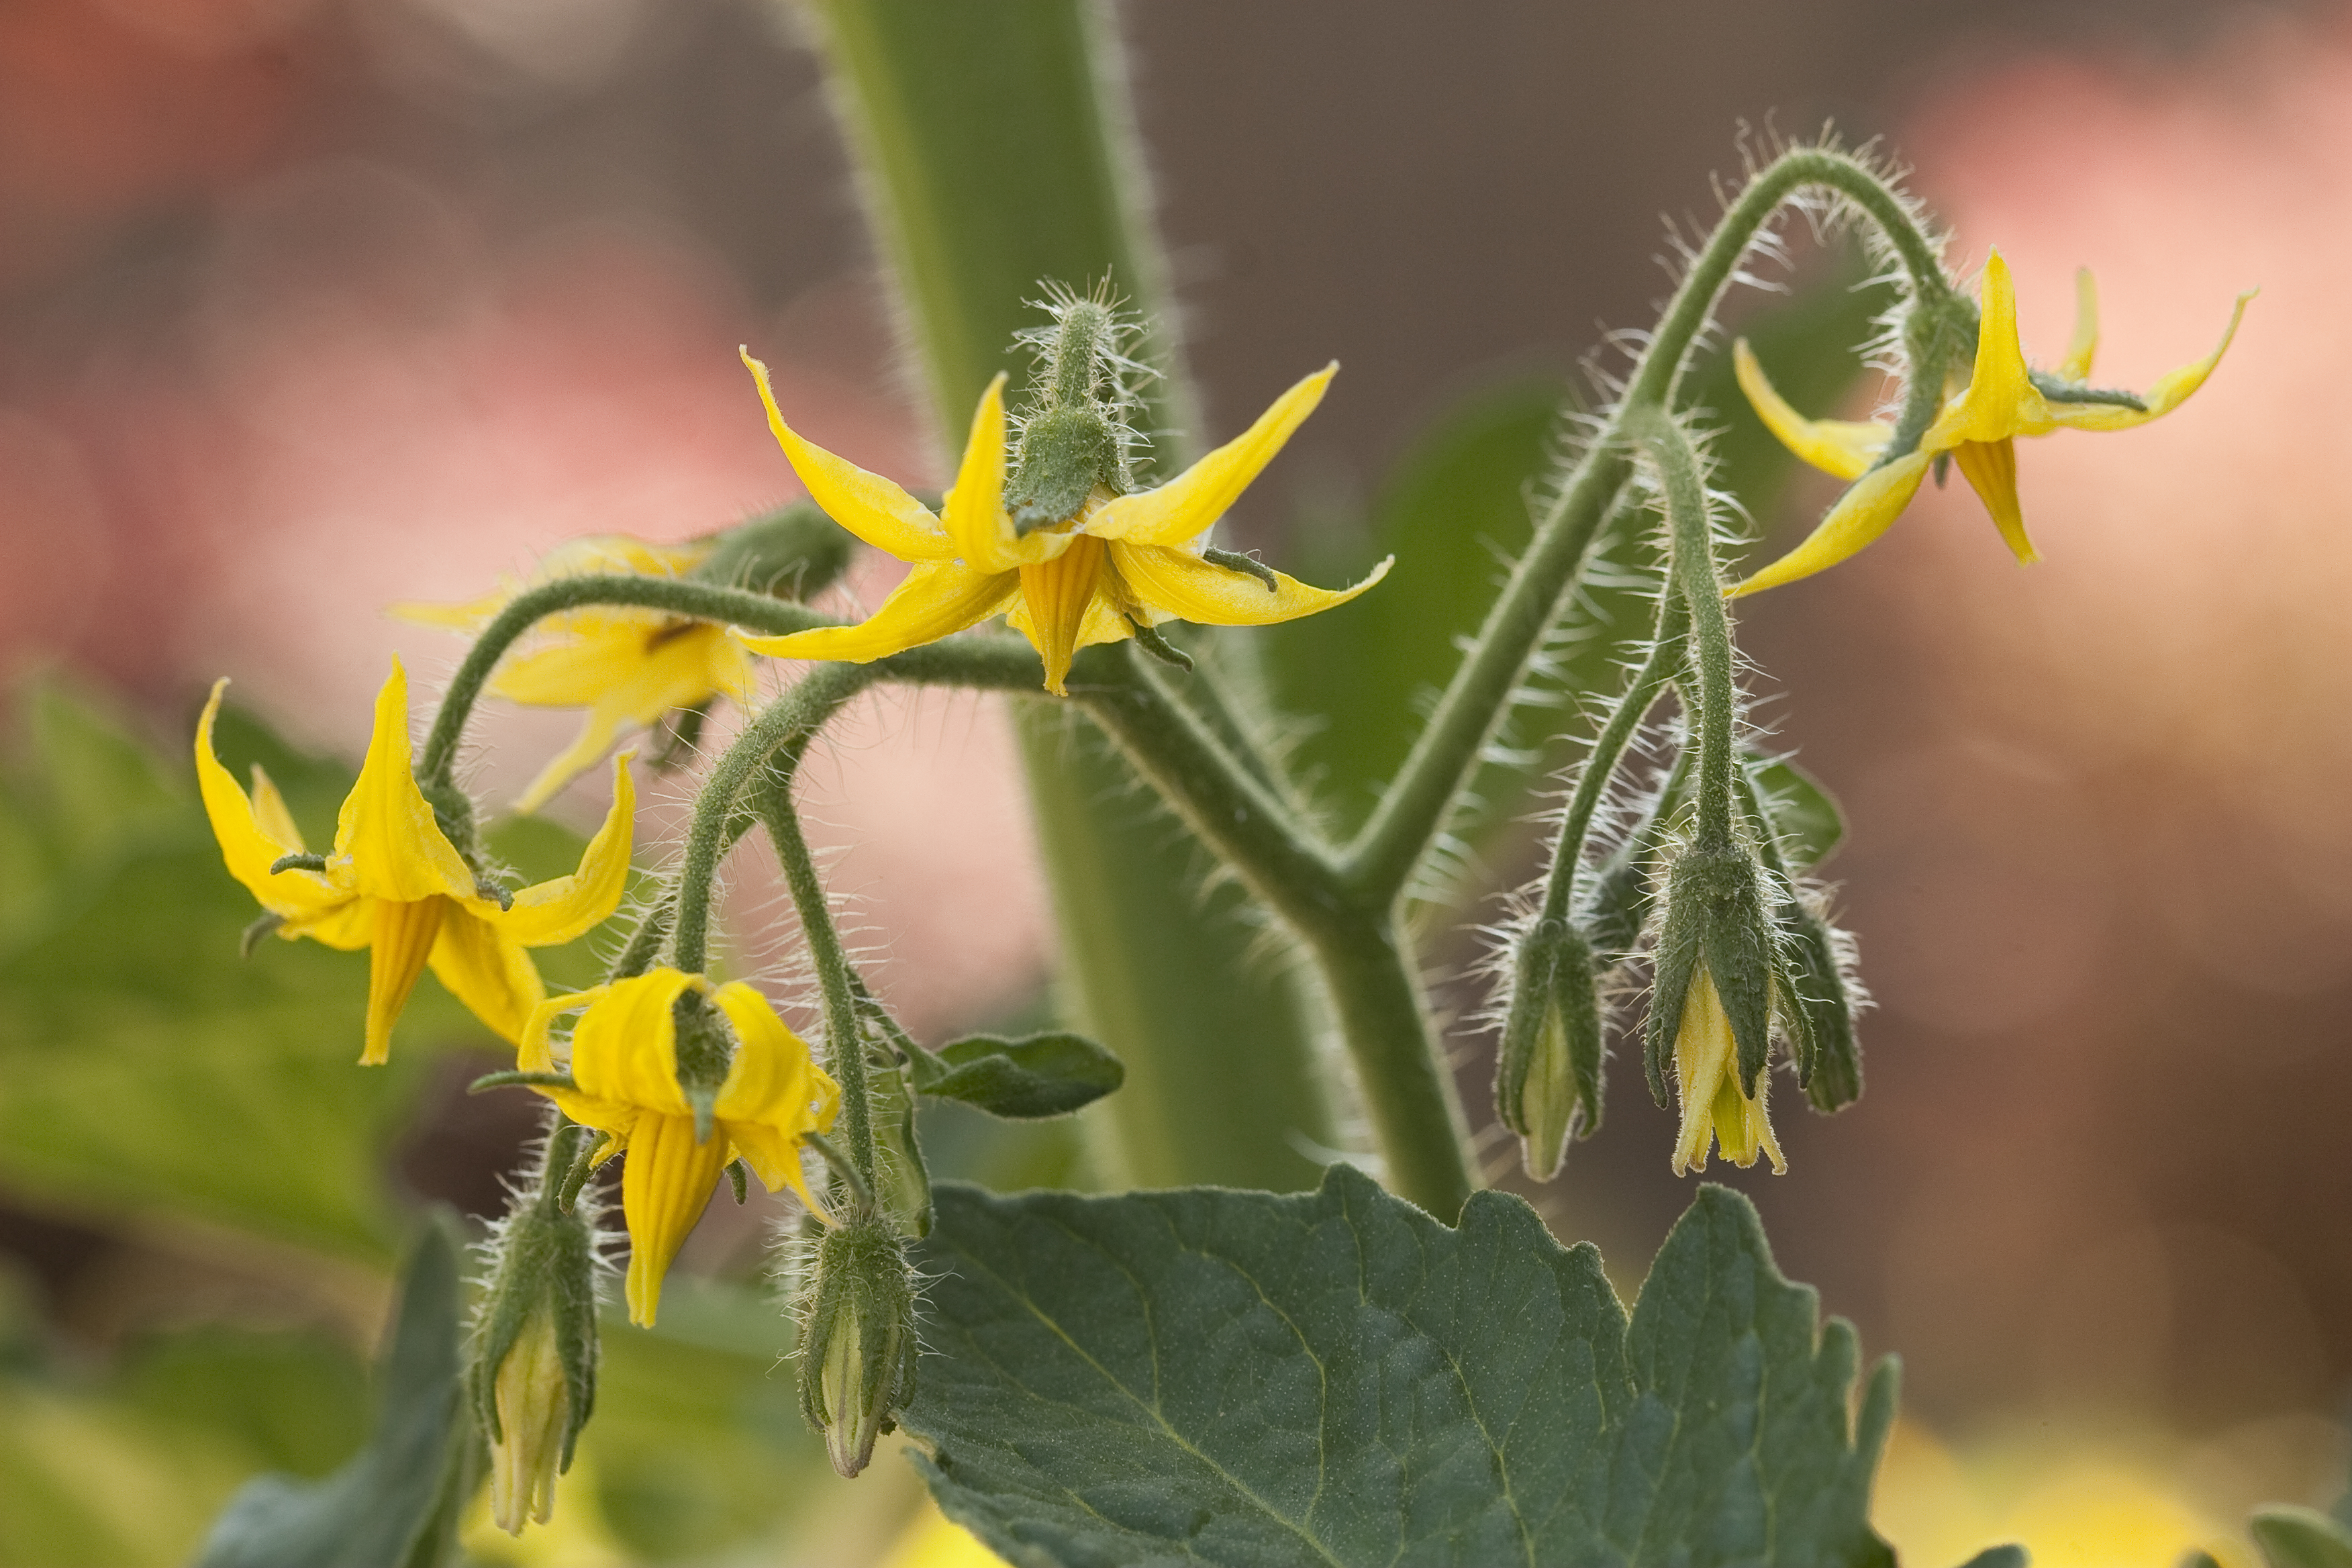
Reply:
x=254, y=833
x=869, y=506
x=2000, y=401
x=624, y=1047
x=665, y=1184
x=973, y=511
x=1182, y=584
x=1845, y=447
x=774, y=1092
x=387, y=844
x=403, y=939
x=1990, y=468
x=1184, y=508
x=2171, y=389
x=937, y=599
x=2084, y=346
x=488, y=971
x=556, y=912
x=532, y=1053
x=1056, y=595
x=1860, y=515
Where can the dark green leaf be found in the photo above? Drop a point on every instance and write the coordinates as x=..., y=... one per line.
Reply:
x=2008, y=1557
x=1227, y=1377
x=1803, y=814
x=1037, y=1076
x=2293, y=1537
x=395, y=1504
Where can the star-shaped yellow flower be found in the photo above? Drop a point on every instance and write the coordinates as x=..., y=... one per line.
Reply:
x=396, y=884
x=626, y=667
x=1706, y=1070
x=1122, y=562
x=625, y=1063
x=1977, y=426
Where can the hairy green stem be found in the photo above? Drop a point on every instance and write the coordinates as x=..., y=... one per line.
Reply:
x=847, y=1056
x=1413, y=810
x=1696, y=581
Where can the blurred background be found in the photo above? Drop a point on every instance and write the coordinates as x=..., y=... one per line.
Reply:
x=307, y=306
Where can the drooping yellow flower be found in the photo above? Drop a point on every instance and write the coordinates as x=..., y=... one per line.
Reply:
x=1976, y=427
x=626, y=667
x=396, y=884
x=1123, y=561
x=1707, y=1072
x=625, y=1063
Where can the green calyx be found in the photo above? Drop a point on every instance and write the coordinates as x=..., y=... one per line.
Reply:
x=705, y=1049
x=857, y=1356
x=545, y=1264
x=793, y=553
x=1074, y=436
x=1715, y=920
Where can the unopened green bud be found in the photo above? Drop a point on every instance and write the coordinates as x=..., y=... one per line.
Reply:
x=1548, y=1080
x=793, y=553
x=533, y=1380
x=1714, y=922
x=857, y=1358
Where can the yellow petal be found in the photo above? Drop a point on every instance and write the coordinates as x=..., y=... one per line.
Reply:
x=1184, y=508
x=937, y=600
x=2084, y=346
x=1990, y=468
x=665, y=1186
x=254, y=834
x=403, y=940
x=1189, y=588
x=556, y=912
x=624, y=1047
x=471, y=615
x=2171, y=391
x=2001, y=401
x=973, y=511
x=1056, y=595
x=387, y=844
x=681, y=665
x=488, y=971
x=868, y=505
x=774, y=1092
x=1845, y=447
x=1860, y=515
x=531, y=1052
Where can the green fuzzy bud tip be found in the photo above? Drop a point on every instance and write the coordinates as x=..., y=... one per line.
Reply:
x=794, y=553
x=857, y=1362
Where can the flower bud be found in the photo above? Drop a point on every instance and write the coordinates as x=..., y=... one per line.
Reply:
x=1819, y=975
x=793, y=553
x=858, y=1354
x=534, y=1372
x=1548, y=1080
x=1711, y=1009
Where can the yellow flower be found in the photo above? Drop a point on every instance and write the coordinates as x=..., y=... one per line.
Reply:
x=626, y=667
x=625, y=1063
x=1706, y=1071
x=534, y=1404
x=1977, y=426
x=396, y=884
x=1123, y=561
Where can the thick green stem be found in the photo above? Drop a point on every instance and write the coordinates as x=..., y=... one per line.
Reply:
x=995, y=160
x=1413, y=811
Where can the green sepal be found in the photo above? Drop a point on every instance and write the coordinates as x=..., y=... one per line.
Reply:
x=1547, y=1077
x=1805, y=816
x=1248, y=565
x=1735, y=943
x=1675, y=961
x=1025, y=1079
x=265, y=925
x=906, y=1176
x=1618, y=905
x=793, y=553
x=2293, y=1537
x=1829, y=1066
x=297, y=862
x=490, y=1080
x=705, y=1049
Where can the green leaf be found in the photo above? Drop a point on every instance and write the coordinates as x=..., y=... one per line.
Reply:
x=2008, y=1557
x=2293, y=1537
x=1227, y=1377
x=1022, y=1079
x=395, y=1504
x=1804, y=814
